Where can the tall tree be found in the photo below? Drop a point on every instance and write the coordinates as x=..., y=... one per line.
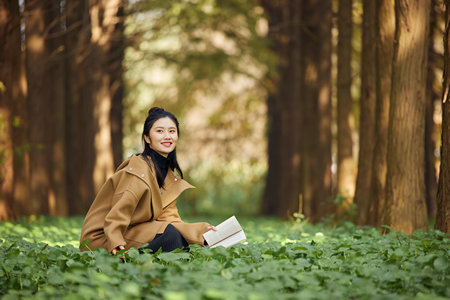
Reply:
x=317, y=119
x=78, y=107
x=57, y=122
x=283, y=179
x=432, y=97
x=104, y=17
x=345, y=119
x=44, y=32
x=92, y=33
x=20, y=138
x=367, y=113
x=38, y=101
x=116, y=57
x=443, y=196
x=405, y=182
x=385, y=27
x=9, y=74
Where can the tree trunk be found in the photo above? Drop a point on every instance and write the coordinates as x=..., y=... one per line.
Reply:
x=367, y=114
x=385, y=26
x=116, y=87
x=430, y=127
x=21, y=141
x=281, y=195
x=345, y=121
x=57, y=123
x=316, y=92
x=9, y=74
x=92, y=32
x=443, y=195
x=272, y=191
x=405, y=182
x=103, y=15
x=79, y=139
x=38, y=103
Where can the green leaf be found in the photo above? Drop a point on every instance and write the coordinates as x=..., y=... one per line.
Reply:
x=170, y=256
x=175, y=296
x=54, y=278
x=84, y=243
x=226, y=273
x=441, y=263
x=131, y=288
x=215, y=294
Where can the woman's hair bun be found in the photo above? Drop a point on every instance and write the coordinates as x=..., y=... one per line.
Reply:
x=156, y=110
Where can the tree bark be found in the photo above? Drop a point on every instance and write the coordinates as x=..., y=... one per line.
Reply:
x=103, y=15
x=345, y=119
x=39, y=94
x=57, y=123
x=21, y=141
x=283, y=183
x=367, y=114
x=91, y=35
x=405, y=182
x=9, y=74
x=117, y=86
x=430, y=127
x=443, y=195
x=79, y=116
x=316, y=91
x=385, y=26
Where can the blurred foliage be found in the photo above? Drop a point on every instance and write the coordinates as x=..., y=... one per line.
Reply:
x=221, y=192
x=206, y=61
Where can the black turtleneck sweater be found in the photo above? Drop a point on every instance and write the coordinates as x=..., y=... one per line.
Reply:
x=162, y=163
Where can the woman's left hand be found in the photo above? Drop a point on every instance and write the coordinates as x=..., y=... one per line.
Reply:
x=210, y=227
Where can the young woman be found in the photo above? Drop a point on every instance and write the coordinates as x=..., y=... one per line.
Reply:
x=136, y=206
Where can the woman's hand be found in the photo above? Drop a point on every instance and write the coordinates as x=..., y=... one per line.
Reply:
x=210, y=227
x=117, y=249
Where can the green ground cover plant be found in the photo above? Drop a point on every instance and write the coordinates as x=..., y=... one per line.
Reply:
x=39, y=259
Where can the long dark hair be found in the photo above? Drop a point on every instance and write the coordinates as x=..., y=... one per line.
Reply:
x=154, y=114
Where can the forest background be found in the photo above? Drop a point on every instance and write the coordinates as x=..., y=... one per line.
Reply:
x=298, y=109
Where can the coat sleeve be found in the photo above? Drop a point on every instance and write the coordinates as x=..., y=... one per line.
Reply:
x=192, y=232
x=123, y=204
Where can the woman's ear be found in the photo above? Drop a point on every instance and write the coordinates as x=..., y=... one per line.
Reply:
x=147, y=140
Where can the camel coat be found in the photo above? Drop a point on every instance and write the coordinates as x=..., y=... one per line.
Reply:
x=130, y=209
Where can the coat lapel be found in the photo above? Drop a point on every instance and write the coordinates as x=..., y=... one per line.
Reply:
x=173, y=187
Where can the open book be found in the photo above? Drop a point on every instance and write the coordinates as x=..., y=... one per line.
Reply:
x=228, y=233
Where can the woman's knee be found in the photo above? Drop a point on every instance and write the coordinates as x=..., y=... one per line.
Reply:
x=175, y=236
x=170, y=229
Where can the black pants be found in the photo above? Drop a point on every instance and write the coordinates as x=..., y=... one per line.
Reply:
x=169, y=240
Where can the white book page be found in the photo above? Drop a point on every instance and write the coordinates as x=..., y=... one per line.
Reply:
x=228, y=227
x=230, y=241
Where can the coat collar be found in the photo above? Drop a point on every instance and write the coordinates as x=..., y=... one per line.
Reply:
x=173, y=184
x=137, y=166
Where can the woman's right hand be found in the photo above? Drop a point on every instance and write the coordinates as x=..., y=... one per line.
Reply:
x=117, y=249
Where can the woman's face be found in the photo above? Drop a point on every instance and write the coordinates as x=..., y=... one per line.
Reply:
x=163, y=136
